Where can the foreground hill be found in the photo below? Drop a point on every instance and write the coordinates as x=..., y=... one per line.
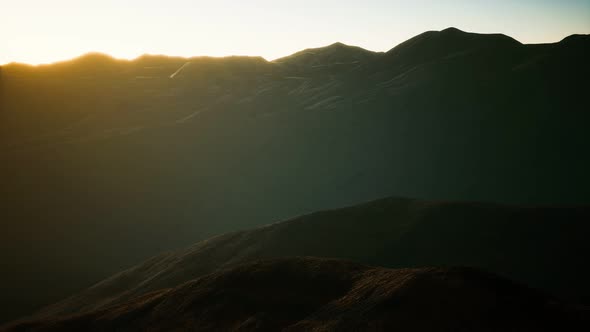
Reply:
x=107, y=162
x=543, y=247
x=305, y=294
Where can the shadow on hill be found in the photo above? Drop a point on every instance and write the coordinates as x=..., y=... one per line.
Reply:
x=304, y=294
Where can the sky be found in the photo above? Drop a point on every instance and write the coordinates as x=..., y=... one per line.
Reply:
x=45, y=31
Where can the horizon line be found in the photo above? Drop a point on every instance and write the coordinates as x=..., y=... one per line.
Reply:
x=131, y=59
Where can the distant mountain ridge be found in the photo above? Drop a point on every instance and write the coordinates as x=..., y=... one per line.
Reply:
x=114, y=161
x=452, y=36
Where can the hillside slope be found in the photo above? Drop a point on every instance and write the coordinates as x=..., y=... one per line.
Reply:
x=305, y=294
x=542, y=247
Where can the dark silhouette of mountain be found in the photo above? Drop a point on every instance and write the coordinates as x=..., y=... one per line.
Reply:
x=106, y=162
x=332, y=55
x=541, y=247
x=305, y=294
x=448, y=43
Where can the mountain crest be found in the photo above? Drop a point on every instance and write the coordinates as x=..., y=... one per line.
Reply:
x=432, y=45
x=336, y=53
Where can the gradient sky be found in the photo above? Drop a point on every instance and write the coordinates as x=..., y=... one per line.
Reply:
x=42, y=31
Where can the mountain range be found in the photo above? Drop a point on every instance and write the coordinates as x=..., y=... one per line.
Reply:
x=107, y=162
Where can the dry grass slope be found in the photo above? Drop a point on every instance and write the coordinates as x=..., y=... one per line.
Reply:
x=305, y=294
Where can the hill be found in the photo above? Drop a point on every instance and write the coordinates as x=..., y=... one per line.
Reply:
x=304, y=294
x=541, y=247
x=108, y=162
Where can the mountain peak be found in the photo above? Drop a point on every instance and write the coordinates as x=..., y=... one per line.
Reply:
x=94, y=57
x=335, y=53
x=452, y=30
x=432, y=45
x=338, y=44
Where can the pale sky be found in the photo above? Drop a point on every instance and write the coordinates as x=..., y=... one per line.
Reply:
x=43, y=31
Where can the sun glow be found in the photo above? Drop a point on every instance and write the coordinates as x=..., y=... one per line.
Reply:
x=39, y=31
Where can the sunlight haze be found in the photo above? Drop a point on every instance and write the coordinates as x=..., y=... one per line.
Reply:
x=35, y=31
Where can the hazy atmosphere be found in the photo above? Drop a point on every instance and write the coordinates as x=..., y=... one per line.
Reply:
x=414, y=166
x=39, y=31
